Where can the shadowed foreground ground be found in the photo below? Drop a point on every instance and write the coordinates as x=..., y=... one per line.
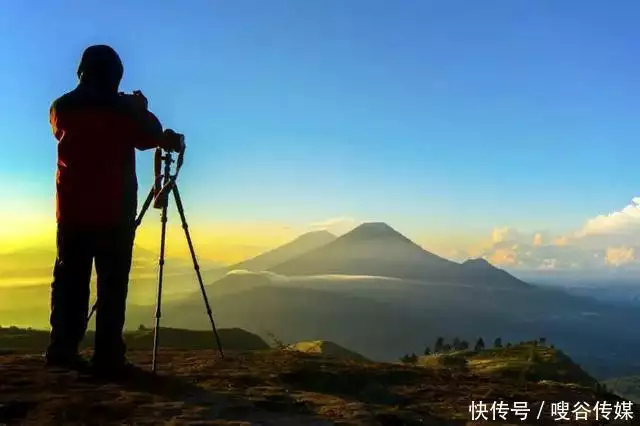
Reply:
x=270, y=387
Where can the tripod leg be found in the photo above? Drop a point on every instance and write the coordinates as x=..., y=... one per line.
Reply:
x=156, y=333
x=93, y=311
x=176, y=193
x=145, y=206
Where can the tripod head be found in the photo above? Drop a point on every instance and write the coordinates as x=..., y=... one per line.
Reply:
x=163, y=179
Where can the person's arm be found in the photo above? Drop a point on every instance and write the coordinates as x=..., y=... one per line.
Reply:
x=148, y=132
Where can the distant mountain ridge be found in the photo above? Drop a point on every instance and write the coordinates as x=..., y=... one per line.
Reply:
x=376, y=249
x=373, y=248
x=286, y=252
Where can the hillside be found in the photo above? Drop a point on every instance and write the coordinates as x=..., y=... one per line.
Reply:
x=382, y=319
x=298, y=314
x=301, y=245
x=628, y=387
x=16, y=340
x=481, y=272
x=283, y=388
x=524, y=361
x=328, y=349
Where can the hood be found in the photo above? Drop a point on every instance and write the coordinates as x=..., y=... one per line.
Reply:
x=101, y=67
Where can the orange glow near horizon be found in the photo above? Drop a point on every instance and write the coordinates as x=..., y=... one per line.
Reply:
x=32, y=225
x=225, y=243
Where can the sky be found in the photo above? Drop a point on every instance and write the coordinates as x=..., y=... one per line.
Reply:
x=472, y=127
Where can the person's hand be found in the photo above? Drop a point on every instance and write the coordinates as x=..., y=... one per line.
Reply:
x=174, y=141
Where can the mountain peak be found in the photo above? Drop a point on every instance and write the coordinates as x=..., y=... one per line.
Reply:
x=479, y=262
x=301, y=245
x=483, y=271
x=369, y=230
x=376, y=225
x=374, y=249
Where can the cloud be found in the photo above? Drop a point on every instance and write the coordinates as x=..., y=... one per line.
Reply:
x=503, y=257
x=548, y=264
x=608, y=241
x=505, y=234
x=274, y=278
x=561, y=241
x=620, y=223
x=296, y=281
x=458, y=255
x=538, y=239
x=537, y=257
x=617, y=256
x=337, y=225
x=333, y=222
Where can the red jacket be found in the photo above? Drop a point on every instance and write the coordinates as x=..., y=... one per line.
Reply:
x=97, y=134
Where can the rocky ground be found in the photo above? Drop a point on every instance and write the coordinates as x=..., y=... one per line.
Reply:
x=269, y=387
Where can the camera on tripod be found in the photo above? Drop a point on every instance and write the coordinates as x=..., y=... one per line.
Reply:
x=163, y=179
x=174, y=139
x=137, y=101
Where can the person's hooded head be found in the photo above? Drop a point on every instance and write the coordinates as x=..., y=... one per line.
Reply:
x=101, y=67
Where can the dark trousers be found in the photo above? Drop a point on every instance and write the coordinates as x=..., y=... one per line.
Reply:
x=77, y=247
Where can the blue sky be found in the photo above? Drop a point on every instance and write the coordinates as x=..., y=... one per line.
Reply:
x=436, y=116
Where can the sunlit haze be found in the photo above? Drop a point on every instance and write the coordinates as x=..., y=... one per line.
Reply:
x=495, y=129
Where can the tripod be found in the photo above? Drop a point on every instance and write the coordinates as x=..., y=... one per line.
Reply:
x=164, y=185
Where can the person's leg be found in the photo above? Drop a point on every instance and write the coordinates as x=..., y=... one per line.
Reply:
x=113, y=264
x=69, y=294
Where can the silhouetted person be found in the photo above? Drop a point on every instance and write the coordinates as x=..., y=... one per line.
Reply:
x=97, y=131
